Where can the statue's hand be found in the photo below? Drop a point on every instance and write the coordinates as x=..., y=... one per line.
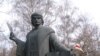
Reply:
x=12, y=36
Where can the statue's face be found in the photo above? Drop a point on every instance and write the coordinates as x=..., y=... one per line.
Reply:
x=36, y=21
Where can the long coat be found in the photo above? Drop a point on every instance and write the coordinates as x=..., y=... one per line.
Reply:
x=39, y=43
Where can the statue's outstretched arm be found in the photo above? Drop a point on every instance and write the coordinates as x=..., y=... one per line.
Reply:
x=57, y=44
x=13, y=37
x=20, y=45
x=16, y=40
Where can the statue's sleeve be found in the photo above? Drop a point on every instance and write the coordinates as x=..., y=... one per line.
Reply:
x=55, y=42
x=19, y=42
x=20, y=47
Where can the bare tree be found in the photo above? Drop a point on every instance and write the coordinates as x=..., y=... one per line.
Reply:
x=24, y=8
x=87, y=36
x=81, y=29
x=69, y=25
x=12, y=51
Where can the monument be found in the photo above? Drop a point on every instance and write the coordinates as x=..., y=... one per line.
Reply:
x=40, y=41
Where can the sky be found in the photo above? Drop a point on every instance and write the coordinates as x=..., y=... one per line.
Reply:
x=90, y=7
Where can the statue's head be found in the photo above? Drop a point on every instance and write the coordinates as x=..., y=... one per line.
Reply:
x=36, y=19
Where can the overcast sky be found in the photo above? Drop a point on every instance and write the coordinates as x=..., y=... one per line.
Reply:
x=90, y=7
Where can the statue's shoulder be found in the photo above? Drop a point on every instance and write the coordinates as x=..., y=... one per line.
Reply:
x=48, y=29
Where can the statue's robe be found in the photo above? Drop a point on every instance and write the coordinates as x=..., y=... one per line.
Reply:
x=39, y=43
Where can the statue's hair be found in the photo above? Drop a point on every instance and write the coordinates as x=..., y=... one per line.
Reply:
x=37, y=15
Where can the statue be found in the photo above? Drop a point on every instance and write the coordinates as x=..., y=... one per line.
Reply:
x=40, y=41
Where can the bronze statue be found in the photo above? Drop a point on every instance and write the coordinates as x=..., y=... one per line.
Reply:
x=41, y=40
